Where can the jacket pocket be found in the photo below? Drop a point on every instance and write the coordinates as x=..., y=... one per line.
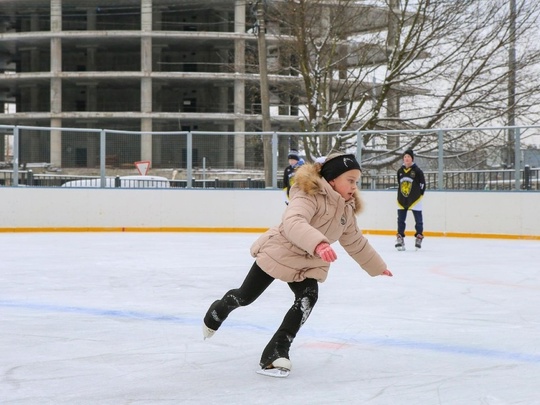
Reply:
x=259, y=243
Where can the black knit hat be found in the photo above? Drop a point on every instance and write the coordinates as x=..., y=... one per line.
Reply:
x=337, y=165
x=409, y=152
x=293, y=154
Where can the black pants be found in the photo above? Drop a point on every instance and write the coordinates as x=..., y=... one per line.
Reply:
x=305, y=292
x=418, y=219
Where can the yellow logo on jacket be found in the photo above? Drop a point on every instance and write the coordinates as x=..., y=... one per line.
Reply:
x=405, y=188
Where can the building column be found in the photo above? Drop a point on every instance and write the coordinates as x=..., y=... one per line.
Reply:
x=56, y=84
x=239, y=86
x=146, y=81
x=92, y=139
x=157, y=141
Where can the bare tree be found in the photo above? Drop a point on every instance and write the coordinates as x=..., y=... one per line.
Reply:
x=408, y=65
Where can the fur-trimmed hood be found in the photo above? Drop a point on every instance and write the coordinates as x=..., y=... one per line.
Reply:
x=308, y=179
x=315, y=214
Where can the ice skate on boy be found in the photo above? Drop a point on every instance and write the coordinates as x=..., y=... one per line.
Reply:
x=418, y=241
x=400, y=242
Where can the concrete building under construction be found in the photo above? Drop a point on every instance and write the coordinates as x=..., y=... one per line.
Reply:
x=139, y=65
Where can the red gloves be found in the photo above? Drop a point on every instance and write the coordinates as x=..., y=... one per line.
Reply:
x=387, y=273
x=325, y=252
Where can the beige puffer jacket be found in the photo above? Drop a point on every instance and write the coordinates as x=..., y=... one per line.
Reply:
x=316, y=213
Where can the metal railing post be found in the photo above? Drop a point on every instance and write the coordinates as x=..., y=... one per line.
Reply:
x=204, y=172
x=189, y=160
x=15, y=179
x=359, y=146
x=102, y=158
x=440, y=140
x=274, y=159
x=517, y=158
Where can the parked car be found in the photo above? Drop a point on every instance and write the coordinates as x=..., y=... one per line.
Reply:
x=122, y=182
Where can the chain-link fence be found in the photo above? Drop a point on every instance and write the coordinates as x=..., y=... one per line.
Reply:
x=89, y=157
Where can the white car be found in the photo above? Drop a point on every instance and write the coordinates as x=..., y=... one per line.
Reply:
x=122, y=182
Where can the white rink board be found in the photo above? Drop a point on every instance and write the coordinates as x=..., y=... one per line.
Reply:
x=482, y=213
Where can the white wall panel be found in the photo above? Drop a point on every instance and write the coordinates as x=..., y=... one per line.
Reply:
x=445, y=213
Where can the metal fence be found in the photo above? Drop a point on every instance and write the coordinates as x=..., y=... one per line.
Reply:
x=89, y=157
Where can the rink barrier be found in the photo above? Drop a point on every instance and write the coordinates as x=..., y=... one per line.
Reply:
x=482, y=214
x=259, y=230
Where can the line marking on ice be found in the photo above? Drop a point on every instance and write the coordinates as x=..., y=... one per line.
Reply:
x=330, y=338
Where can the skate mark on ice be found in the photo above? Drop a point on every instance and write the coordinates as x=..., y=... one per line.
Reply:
x=440, y=272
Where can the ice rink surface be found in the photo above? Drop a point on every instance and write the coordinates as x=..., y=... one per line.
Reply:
x=115, y=318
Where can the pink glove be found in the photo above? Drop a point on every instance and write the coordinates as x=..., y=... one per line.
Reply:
x=325, y=252
x=387, y=273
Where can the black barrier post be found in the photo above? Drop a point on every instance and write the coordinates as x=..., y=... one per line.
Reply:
x=527, y=177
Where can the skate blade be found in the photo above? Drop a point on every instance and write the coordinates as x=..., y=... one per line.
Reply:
x=400, y=248
x=207, y=332
x=274, y=372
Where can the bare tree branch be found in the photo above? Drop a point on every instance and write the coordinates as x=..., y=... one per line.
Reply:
x=444, y=62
